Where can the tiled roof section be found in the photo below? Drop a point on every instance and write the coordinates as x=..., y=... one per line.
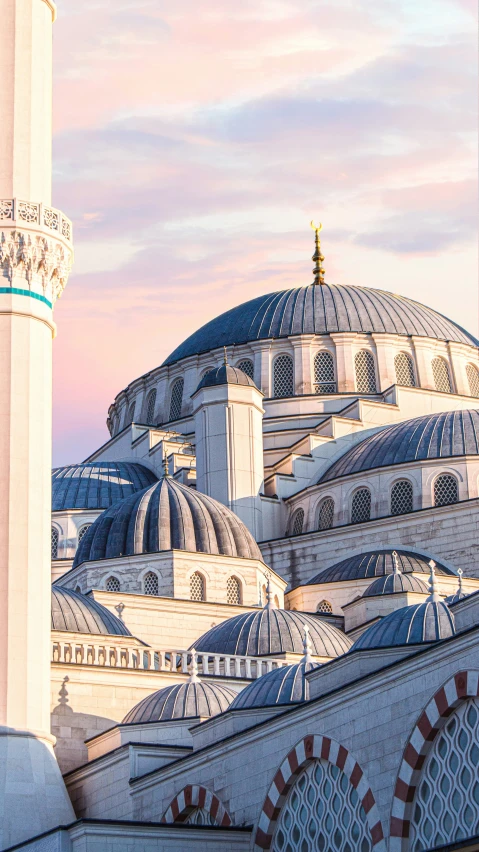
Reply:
x=225, y=375
x=273, y=631
x=376, y=563
x=77, y=613
x=410, y=625
x=321, y=310
x=432, y=436
x=286, y=685
x=391, y=584
x=97, y=485
x=181, y=701
x=166, y=516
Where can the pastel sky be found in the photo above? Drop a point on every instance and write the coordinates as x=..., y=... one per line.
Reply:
x=194, y=142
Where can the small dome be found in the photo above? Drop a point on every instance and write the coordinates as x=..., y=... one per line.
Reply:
x=273, y=631
x=392, y=584
x=225, y=375
x=426, y=622
x=182, y=701
x=167, y=516
x=97, y=485
x=286, y=685
x=376, y=563
x=77, y=613
x=433, y=436
x=459, y=594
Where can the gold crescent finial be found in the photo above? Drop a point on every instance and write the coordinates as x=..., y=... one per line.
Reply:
x=315, y=227
x=318, y=258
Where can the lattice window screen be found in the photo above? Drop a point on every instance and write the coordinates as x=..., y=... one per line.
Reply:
x=322, y=811
x=283, y=376
x=197, y=587
x=150, y=584
x=324, y=606
x=200, y=816
x=324, y=381
x=112, y=584
x=445, y=490
x=176, y=400
x=233, y=591
x=130, y=415
x=446, y=805
x=54, y=543
x=82, y=532
x=361, y=506
x=440, y=372
x=326, y=514
x=150, y=407
x=472, y=374
x=298, y=521
x=401, y=497
x=404, y=370
x=365, y=372
x=247, y=366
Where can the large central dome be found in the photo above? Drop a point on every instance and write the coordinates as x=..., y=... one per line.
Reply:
x=320, y=309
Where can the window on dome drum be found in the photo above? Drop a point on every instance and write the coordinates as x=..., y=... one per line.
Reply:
x=176, y=399
x=324, y=606
x=404, y=370
x=322, y=811
x=197, y=587
x=150, y=407
x=112, y=584
x=365, y=372
x=54, y=543
x=233, y=591
x=205, y=371
x=446, y=804
x=82, y=531
x=263, y=595
x=361, y=506
x=440, y=372
x=150, y=584
x=324, y=381
x=247, y=366
x=283, y=376
x=78, y=589
x=446, y=490
x=326, y=514
x=401, y=497
x=472, y=374
x=276, y=601
x=297, y=522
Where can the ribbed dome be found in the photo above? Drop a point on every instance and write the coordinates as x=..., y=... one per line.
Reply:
x=166, y=516
x=77, y=613
x=97, y=485
x=391, y=584
x=182, y=701
x=410, y=625
x=225, y=375
x=320, y=310
x=376, y=563
x=273, y=631
x=286, y=685
x=433, y=436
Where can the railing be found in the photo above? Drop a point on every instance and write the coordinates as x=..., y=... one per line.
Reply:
x=14, y=211
x=141, y=658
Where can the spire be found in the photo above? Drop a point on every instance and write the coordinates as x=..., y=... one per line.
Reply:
x=396, y=568
x=433, y=589
x=307, y=647
x=269, y=594
x=166, y=468
x=460, y=591
x=193, y=668
x=318, y=258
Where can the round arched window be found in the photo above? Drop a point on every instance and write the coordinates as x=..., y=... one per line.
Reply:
x=324, y=606
x=112, y=584
x=445, y=490
x=150, y=407
x=176, y=399
x=283, y=376
x=297, y=523
x=246, y=365
x=197, y=587
x=440, y=372
x=472, y=374
x=324, y=381
x=82, y=531
x=361, y=506
x=150, y=584
x=54, y=543
x=233, y=590
x=326, y=514
x=365, y=372
x=401, y=497
x=404, y=370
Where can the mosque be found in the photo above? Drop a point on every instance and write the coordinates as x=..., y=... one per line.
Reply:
x=250, y=620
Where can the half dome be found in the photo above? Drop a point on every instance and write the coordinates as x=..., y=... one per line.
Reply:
x=225, y=375
x=77, y=613
x=376, y=563
x=166, y=516
x=97, y=485
x=322, y=309
x=392, y=584
x=410, y=625
x=182, y=701
x=433, y=436
x=286, y=685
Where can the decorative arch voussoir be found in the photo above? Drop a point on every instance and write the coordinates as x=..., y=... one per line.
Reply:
x=463, y=685
x=195, y=796
x=310, y=748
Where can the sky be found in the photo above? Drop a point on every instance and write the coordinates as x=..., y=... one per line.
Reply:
x=194, y=142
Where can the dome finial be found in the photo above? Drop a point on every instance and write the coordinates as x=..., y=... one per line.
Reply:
x=433, y=589
x=193, y=668
x=318, y=258
x=459, y=588
x=269, y=593
x=396, y=568
x=225, y=356
x=166, y=467
x=307, y=647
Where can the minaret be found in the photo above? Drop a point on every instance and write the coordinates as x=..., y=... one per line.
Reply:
x=35, y=259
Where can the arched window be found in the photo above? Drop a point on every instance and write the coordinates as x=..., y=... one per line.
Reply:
x=150, y=407
x=445, y=490
x=197, y=587
x=361, y=506
x=401, y=497
x=78, y=589
x=176, y=399
x=200, y=816
x=206, y=371
x=54, y=543
x=130, y=415
x=150, y=583
x=276, y=601
x=324, y=381
x=112, y=584
x=233, y=591
x=322, y=811
x=297, y=522
x=440, y=372
x=472, y=374
x=326, y=514
x=365, y=372
x=247, y=366
x=82, y=531
x=446, y=804
x=283, y=376
x=324, y=606
x=114, y=425
x=404, y=370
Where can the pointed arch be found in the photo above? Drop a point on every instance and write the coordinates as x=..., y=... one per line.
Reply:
x=193, y=797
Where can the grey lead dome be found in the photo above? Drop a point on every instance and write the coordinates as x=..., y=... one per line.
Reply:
x=97, y=485
x=392, y=584
x=77, y=613
x=285, y=685
x=376, y=563
x=225, y=375
x=182, y=701
x=410, y=625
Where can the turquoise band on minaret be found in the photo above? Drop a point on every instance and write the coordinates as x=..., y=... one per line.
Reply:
x=16, y=291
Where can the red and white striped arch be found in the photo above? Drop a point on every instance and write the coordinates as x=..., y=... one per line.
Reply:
x=194, y=796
